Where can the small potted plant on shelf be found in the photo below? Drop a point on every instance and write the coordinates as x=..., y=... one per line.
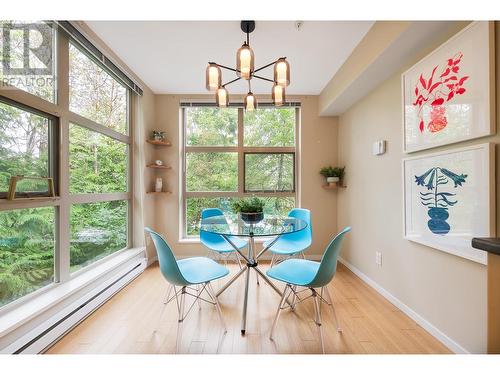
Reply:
x=251, y=210
x=333, y=175
x=158, y=135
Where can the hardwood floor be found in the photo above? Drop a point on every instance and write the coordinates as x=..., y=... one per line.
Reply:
x=133, y=322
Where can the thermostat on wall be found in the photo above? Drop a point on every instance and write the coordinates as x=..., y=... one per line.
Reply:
x=379, y=147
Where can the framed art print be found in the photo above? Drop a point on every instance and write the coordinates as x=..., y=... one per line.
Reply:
x=449, y=198
x=449, y=95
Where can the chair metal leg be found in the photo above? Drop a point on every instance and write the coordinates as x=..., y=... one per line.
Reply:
x=169, y=290
x=294, y=298
x=303, y=255
x=198, y=294
x=238, y=259
x=339, y=328
x=211, y=293
x=278, y=312
x=318, y=318
x=181, y=320
x=272, y=260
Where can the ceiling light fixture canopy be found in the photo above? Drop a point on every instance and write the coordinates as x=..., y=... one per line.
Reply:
x=245, y=70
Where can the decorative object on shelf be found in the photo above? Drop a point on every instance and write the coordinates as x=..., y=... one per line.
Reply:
x=448, y=198
x=32, y=183
x=251, y=210
x=158, y=184
x=245, y=70
x=158, y=162
x=158, y=135
x=333, y=175
x=449, y=96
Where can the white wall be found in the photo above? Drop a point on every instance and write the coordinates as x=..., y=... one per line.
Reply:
x=447, y=291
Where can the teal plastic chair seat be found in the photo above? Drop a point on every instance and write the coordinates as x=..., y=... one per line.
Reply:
x=200, y=270
x=219, y=244
x=295, y=271
x=312, y=275
x=290, y=244
x=191, y=274
x=216, y=242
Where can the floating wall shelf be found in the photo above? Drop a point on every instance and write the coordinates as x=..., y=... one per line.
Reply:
x=333, y=187
x=159, y=143
x=158, y=166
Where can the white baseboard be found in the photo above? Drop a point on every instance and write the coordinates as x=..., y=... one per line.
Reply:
x=433, y=330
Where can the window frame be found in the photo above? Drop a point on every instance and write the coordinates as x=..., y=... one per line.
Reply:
x=53, y=139
x=62, y=202
x=241, y=150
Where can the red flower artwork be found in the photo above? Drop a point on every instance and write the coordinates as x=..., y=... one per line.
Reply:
x=438, y=92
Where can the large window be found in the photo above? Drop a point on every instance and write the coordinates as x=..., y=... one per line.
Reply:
x=80, y=138
x=230, y=153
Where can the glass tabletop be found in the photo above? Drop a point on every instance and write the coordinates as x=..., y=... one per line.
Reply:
x=271, y=225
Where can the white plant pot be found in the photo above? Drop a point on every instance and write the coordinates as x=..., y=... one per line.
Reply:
x=332, y=179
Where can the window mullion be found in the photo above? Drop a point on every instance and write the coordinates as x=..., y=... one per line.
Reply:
x=241, y=156
x=63, y=218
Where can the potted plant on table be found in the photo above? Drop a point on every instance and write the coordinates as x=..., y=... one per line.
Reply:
x=251, y=210
x=333, y=175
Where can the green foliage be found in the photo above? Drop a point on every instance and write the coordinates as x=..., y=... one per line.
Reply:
x=271, y=127
x=212, y=171
x=248, y=205
x=97, y=164
x=332, y=172
x=218, y=171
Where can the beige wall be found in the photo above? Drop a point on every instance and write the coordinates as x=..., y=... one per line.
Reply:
x=318, y=140
x=446, y=290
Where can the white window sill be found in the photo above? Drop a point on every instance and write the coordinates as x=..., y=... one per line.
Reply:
x=20, y=315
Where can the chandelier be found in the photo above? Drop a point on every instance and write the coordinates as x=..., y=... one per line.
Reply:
x=245, y=70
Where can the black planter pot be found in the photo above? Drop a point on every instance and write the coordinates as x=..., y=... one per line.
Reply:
x=252, y=217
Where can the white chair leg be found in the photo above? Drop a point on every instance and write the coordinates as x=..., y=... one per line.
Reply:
x=278, y=312
x=318, y=319
x=180, y=320
x=212, y=295
x=339, y=328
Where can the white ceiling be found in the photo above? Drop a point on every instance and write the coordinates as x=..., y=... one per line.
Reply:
x=171, y=56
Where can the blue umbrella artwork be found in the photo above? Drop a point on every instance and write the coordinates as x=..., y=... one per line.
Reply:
x=439, y=199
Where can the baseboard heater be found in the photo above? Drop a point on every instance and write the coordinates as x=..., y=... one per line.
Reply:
x=48, y=333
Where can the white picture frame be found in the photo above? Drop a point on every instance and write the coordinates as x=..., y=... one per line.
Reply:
x=447, y=216
x=449, y=95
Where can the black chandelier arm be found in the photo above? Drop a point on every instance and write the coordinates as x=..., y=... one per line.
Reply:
x=234, y=80
x=263, y=78
x=268, y=65
x=225, y=67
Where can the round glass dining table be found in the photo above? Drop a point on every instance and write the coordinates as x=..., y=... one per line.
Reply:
x=231, y=226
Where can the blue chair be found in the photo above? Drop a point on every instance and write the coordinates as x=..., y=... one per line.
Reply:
x=288, y=245
x=216, y=243
x=187, y=274
x=311, y=275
